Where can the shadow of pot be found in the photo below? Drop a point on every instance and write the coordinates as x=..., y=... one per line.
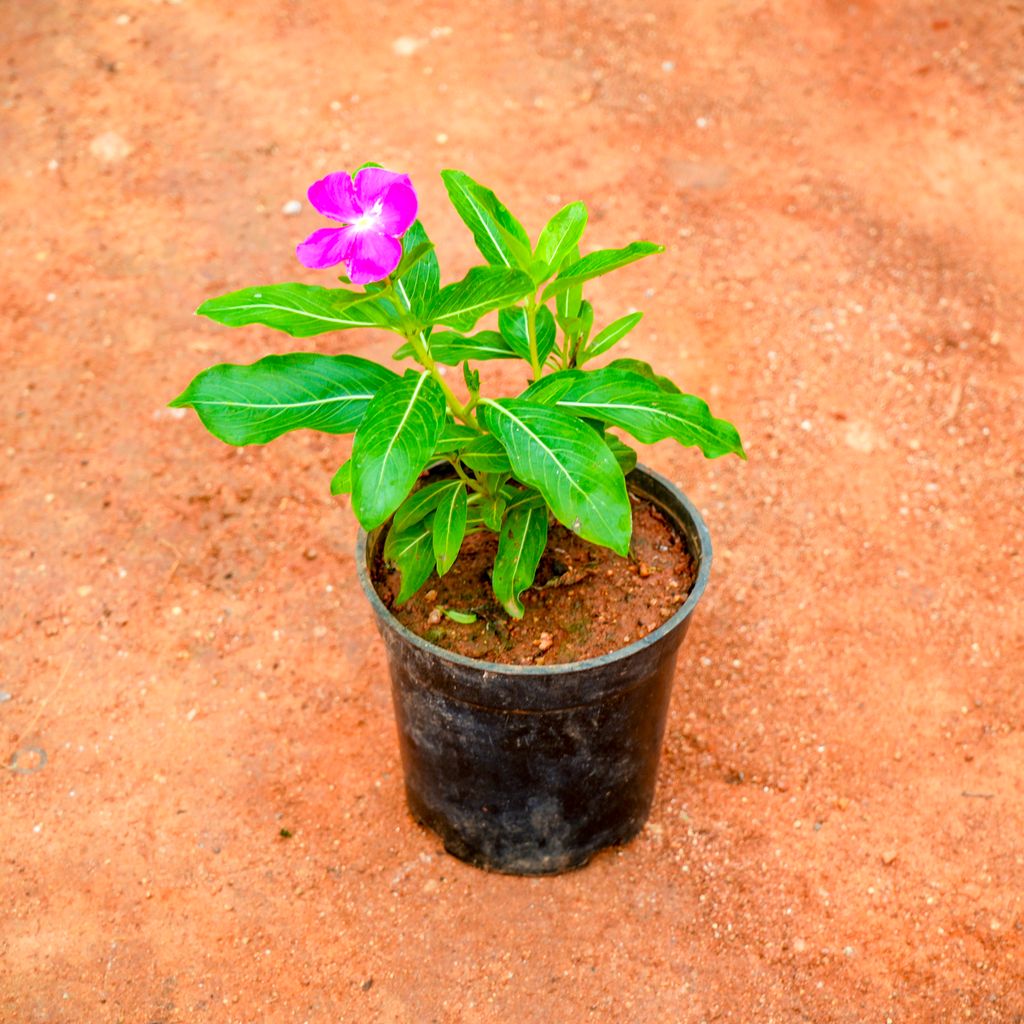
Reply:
x=531, y=770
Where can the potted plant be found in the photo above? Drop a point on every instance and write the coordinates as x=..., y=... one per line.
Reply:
x=520, y=767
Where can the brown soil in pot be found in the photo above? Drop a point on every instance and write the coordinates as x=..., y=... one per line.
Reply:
x=586, y=600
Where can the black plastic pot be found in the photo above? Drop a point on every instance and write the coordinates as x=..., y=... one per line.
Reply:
x=531, y=770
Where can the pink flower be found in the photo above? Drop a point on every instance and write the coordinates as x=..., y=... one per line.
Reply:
x=374, y=210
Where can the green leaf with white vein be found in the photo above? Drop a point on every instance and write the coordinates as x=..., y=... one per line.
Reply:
x=515, y=328
x=300, y=310
x=420, y=504
x=254, y=403
x=501, y=239
x=450, y=348
x=611, y=335
x=482, y=290
x=485, y=454
x=595, y=264
x=411, y=552
x=645, y=370
x=567, y=303
x=453, y=437
x=559, y=239
x=393, y=445
x=634, y=403
x=569, y=464
x=449, y=525
x=418, y=280
x=521, y=543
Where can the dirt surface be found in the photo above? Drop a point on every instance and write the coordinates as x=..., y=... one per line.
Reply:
x=189, y=666
x=585, y=600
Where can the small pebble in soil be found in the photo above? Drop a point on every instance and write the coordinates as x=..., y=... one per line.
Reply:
x=888, y=857
x=434, y=617
x=545, y=642
x=292, y=208
x=110, y=148
x=4, y=696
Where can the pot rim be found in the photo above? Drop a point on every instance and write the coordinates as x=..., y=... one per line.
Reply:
x=682, y=613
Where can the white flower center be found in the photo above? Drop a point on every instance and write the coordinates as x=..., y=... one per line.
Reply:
x=370, y=219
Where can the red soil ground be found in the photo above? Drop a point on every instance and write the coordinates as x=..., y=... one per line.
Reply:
x=837, y=834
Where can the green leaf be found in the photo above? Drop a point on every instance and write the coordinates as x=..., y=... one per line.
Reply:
x=482, y=290
x=569, y=464
x=514, y=325
x=449, y=526
x=485, y=454
x=255, y=403
x=567, y=303
x=393, y=444
x=453, y=437
x=595, y=264
x=586, y=319
x=341, y=482
x=463, y=618
x=501, y=239
x=611, y=335
x=491, y=509
x=559, y=239
x=411, y=551
x=625, y=399
x=450, y=348
x=645, y=370
x=300, y=310
x=524, y=535
x=417, y=281
x=420, y=503
x=624, y=455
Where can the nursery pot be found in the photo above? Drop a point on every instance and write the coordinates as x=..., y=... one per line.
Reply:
x=530, y=770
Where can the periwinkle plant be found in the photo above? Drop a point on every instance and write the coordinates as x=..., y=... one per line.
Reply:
x=516, y=462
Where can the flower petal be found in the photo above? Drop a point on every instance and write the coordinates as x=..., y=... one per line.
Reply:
x=335, y=197
x=370, y=255
x=324, y=248
x=372, y=183
x=399, y=209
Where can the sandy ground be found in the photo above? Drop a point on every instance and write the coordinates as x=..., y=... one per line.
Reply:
x=837, y=835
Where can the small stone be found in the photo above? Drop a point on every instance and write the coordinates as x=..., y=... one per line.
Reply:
x=645, y=570
x=292, y=208
x=319, y=632
x=110, y=148
x=434, y=617
x=799, y=945
x=4, y=696
x=84, y=591
x=545, y=642
x=888, y=857
x=431, y=595
x=406, y=46
x=309, y=554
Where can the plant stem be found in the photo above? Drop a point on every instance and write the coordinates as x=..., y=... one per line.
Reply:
x=472, y=484
x=462, y=411
x=418, y=340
